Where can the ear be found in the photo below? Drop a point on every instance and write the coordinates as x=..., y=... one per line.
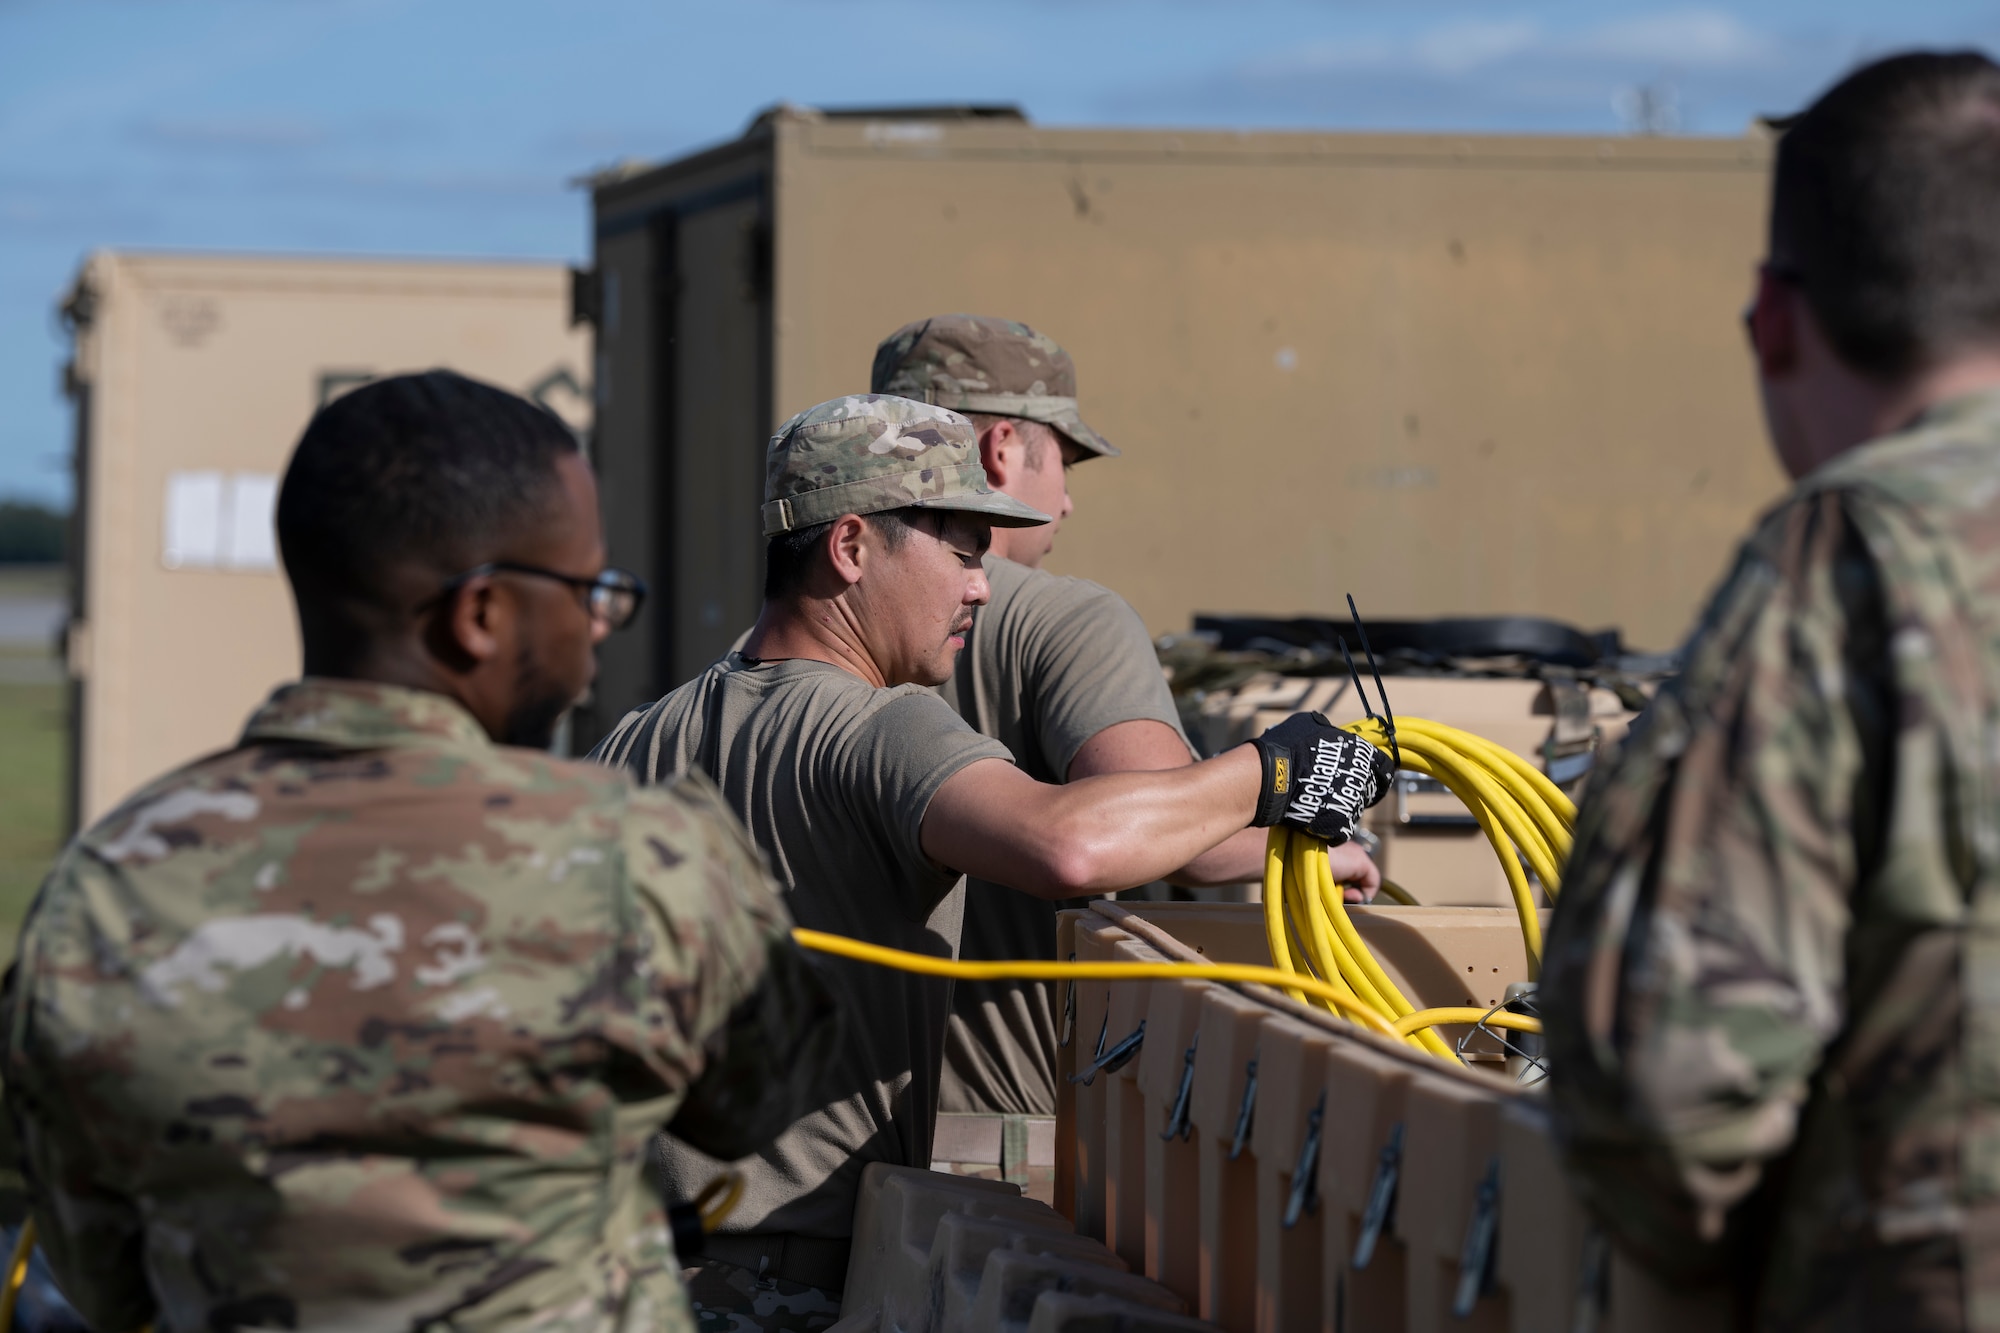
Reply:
x=469, y=621
x=1774, y=325
x=1003, y=453
x=846, y=544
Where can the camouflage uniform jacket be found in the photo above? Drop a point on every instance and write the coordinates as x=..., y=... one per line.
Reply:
x=368, y=1021
x=1772, y=982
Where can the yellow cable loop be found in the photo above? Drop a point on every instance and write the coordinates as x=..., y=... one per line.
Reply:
x=1510, y=866
x=1309, y=958
x=1560, y=811
x=1274, y=907
x=1543, y=801
x=1281, y=927
x=1458, y=771
x=1502, y=820
x=1427, y=1018
x=1358, y=950
x=1330, y=956
x=17, y=1274
x=1034, y=970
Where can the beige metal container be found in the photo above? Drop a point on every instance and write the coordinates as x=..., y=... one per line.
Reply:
x=193, y=376
x=1453, y=374
x=1340, y=1179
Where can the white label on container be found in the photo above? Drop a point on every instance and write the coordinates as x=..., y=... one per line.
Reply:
x=193, y=537
x=220, y=522
x=252, y=541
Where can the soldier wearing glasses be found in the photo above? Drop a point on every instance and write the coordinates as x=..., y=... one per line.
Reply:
x=368, y=1021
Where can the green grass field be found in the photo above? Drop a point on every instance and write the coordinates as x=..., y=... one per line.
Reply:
x=32, y=722
x=34, y=705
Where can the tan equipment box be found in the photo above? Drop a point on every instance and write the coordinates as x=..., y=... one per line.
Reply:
x=192, y=378
x=1456, y=375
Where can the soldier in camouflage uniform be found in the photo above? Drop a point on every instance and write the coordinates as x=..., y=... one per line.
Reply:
x=872, y=798
x=1770, y=981
x=368, y=1021
x=1062, y=672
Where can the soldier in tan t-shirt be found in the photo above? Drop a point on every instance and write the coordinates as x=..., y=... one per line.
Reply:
x=1062, y=672
x=872, y=798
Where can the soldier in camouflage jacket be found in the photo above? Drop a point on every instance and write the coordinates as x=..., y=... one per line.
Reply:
x=1770, y=983
x=368, y=1020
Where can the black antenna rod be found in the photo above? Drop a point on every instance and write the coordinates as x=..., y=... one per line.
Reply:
x=1389, y=724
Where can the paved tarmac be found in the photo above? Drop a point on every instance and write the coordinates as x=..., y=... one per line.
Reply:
x=32, y=611
x=30, y=620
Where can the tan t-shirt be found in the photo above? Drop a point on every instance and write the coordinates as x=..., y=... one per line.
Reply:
x=1050, y=662
x=832, y=777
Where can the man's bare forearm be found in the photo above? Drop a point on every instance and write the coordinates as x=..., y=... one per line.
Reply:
x=1097, y=834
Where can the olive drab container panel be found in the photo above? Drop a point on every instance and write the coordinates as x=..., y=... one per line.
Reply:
x=1456, y=375
x=192, y=377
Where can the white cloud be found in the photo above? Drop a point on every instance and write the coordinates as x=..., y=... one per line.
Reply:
x=1689, y=39
x=1458, y=48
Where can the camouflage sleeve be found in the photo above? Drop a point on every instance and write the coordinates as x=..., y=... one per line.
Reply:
x=758, y=1025
x=90, y=1232
x=1695, y=967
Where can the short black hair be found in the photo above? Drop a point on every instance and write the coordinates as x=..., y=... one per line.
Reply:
x=788, y=556
x=434, y=470
x=1885, y=210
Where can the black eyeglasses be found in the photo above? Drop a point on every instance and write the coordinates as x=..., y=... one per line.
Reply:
x=613, y=596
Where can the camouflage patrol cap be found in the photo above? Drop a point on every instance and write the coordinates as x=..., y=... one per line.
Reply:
x=974, y=363
x=870, y=452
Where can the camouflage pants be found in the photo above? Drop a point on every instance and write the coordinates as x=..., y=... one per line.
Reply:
x=729, y=1299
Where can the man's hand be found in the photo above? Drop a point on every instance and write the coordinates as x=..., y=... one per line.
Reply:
x=1318, y=778
x=1355, y=871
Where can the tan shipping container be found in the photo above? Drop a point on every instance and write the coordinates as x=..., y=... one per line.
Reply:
x=193, y=376
x=1456, y=375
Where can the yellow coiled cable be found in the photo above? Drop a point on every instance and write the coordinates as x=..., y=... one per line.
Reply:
x=1523, y=814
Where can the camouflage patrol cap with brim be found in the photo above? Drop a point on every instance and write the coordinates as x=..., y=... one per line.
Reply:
x=870, y=452
x=975, y=363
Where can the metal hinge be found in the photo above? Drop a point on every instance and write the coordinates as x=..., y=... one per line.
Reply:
x=1475, y=1257
x=1245, y=1112
x=1178, y=1120
x=1116, y=1058
x=1381, y=1206
x=1305, y=1190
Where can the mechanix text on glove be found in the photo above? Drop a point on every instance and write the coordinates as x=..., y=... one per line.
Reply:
x=1318, y=778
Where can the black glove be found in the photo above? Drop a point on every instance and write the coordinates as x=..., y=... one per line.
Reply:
x=1318, y=778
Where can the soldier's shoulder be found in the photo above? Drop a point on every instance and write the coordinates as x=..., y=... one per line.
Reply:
x=223, y=782
x=631, y=740
x=684, y=817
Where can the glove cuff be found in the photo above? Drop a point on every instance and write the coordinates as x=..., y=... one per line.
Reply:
x=1275, y=783
x=1320, y=782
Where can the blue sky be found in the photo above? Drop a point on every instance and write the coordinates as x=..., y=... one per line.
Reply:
x=444, y=127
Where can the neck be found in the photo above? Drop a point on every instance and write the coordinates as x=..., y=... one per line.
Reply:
x=815, y=629
x=404, y=665
x=1859, y=410
x=1011, y=544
